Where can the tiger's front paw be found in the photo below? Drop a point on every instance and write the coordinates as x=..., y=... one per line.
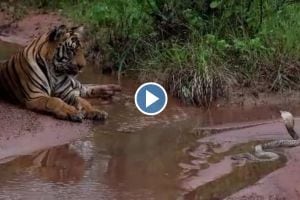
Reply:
x=76, y=117
x=97, y=115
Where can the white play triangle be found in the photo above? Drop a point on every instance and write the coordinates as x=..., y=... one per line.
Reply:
x=150, y=98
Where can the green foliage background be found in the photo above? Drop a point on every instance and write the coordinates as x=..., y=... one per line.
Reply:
x=200, y=50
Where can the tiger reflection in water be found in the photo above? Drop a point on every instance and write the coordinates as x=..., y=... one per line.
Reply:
x=62, y=164
x=59, y=164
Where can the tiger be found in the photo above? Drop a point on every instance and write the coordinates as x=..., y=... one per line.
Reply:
x=42, y=76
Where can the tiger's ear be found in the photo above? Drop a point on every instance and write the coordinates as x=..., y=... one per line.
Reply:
x=58, y=33
x=79, y=31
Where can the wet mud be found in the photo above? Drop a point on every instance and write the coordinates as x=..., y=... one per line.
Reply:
x=226, y=176
x=34, y=23
x=23, y=131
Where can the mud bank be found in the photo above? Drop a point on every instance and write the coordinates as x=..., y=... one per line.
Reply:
x=284, y=183
x=24, y=131
x=24, y=30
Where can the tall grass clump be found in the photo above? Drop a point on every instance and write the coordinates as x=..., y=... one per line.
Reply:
x=195, y=72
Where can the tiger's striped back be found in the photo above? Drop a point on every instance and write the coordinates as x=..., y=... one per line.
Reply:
x=26, y=75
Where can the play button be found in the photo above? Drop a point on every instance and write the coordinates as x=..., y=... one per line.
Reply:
x=151, y=98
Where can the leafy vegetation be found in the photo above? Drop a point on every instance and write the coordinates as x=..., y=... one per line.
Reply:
x=198, y=49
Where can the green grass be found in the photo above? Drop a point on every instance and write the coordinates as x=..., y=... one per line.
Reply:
x=198, y=49
x=196, y=72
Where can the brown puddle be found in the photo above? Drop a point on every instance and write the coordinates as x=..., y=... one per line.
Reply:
x=132, y=156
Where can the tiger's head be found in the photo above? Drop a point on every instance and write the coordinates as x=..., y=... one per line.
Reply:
x=68, y=57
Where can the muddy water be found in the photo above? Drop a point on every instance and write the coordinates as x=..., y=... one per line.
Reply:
x=131, y=156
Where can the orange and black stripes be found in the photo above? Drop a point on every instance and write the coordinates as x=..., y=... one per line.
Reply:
x=42, y=76
x=26, y=76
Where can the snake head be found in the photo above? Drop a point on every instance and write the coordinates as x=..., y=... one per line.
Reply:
x=288, y=119
x=289, y=123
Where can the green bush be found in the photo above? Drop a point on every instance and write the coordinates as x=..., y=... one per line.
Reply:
x=196, y=48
